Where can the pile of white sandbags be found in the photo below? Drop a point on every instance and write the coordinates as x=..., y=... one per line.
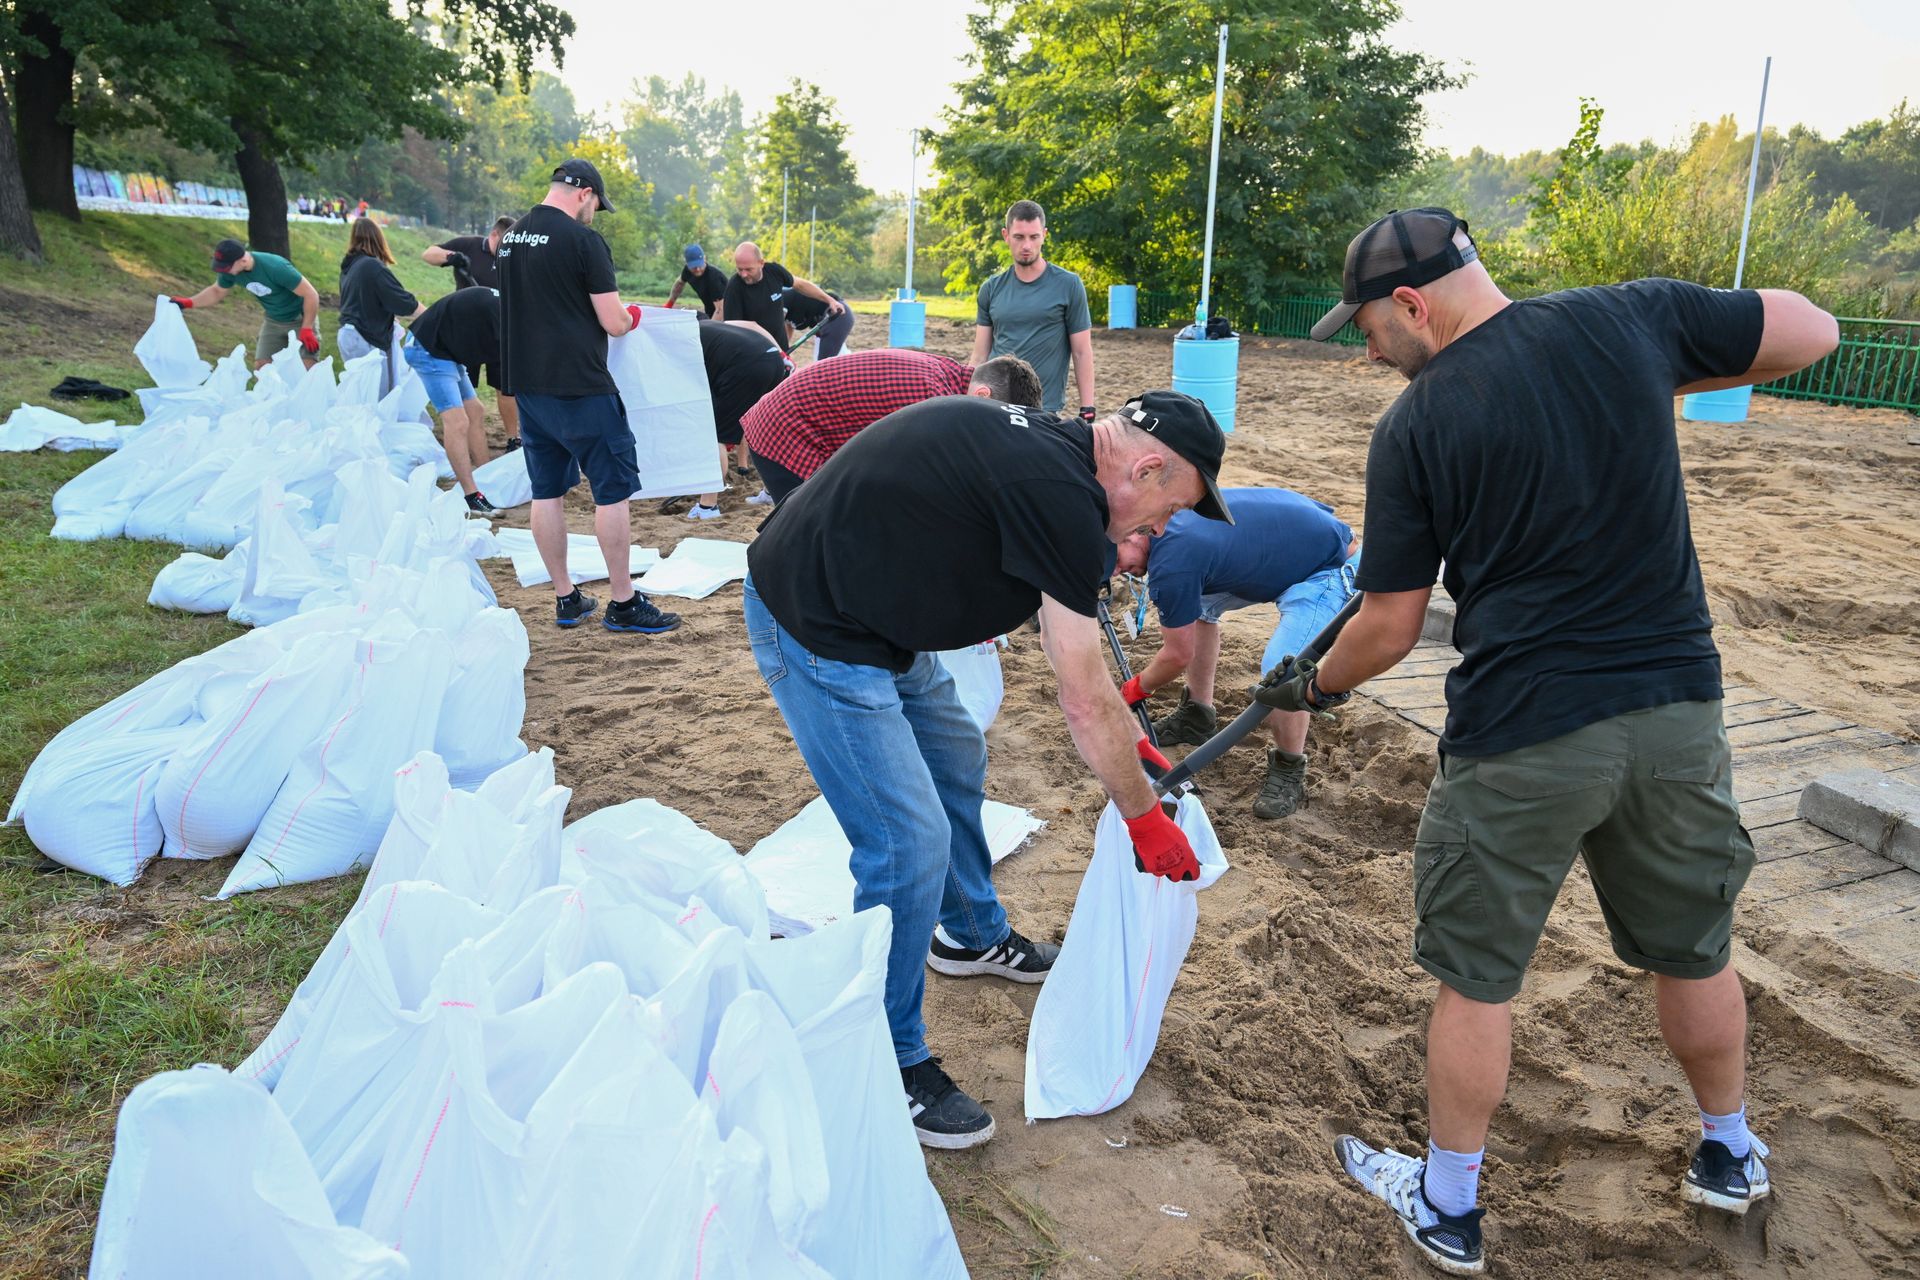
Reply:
x=532, y=1051
x=281, y=744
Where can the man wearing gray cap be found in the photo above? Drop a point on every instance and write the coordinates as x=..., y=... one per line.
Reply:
x=942, y=525
x=1534, y=453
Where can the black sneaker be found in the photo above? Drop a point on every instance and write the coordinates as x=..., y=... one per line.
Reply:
x=478, y=504
x=637, y=613
x=1452, y=1244
x=571, y=611
x=1016, y=958
x=1721, y=1180
x=943, y=1115
x=513, y=442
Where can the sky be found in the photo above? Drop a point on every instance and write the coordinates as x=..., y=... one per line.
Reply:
x=1656, y=66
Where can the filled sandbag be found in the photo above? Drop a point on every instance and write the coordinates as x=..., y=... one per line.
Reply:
x=166, y=350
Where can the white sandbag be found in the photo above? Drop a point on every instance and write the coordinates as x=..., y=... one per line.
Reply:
x=32, y=427
x=685, y=1014
x=804, y=866
x=422, y=800
x=505, y=480
x=636, y=938
x=643, y=846
x=95, y=503
x=217, y=785
x=882, y=1217
x=662, y=379
x=95, y=812
x=333, y=809
x=159, y=515
x=166, y=350
x=479, y=729
x=976, y=678
x=1098, y=1016
x=757, y=1080
x=585, y=563
x=196, y=583
x=209, y=1180
x=697, y=568
x=279, y=570
x=412, y=444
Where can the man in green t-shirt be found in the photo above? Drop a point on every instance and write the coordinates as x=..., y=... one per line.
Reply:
x=1037, y=311
x=291, y=303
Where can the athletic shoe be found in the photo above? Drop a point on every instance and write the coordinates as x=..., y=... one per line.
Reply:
x=513, y=442
x=637, y=613
x=1284, y=789
x=761, y=499
x=1720, y=1180
x=478, y=504
x=943, y=1115
x=1015, y=958
x=1449, y=1243
x=703, y=513
x=571, y=611
x=1187, y=725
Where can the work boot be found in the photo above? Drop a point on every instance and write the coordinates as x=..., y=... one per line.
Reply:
x=1187, y=725
x=1284, y=789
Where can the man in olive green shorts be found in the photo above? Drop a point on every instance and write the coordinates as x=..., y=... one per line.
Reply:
x=1534, y=452
x=291, y=303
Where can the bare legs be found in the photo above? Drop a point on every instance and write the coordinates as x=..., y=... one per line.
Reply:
x=509, y=417
x=1704, y=1022
x=464, y=433
x=611, y=526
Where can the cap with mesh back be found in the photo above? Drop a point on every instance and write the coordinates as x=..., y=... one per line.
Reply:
x=1406, y=248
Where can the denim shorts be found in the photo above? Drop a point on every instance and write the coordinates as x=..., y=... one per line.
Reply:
x=447, y=384
x=566, y=437
x=1305, y=608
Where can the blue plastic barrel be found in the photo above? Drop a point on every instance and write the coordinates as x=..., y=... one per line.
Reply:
x=1123, y=306
x=907, y=325
x=1726, y=405
x=1209, y=371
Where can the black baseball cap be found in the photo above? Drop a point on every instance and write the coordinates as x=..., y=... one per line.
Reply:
x=579, y=173
x=1186, y=426
x=1409, y=248
x=226, y=253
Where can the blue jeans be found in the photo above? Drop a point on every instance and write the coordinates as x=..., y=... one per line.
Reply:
x=1305, y=607
x=904, y=769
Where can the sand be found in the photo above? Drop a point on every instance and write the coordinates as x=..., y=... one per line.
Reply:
x=1300, y=1013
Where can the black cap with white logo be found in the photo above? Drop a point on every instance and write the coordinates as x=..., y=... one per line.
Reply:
x=579, y=173
x=1409, y=248
x=1186, y=426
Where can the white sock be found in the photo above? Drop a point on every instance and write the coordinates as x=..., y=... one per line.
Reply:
x=1731, y=1130
x=1453, y=1179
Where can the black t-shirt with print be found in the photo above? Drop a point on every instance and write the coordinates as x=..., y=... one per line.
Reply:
x=551, y=342
x=937, y=527
x=463, y=327
x=1536, y=455
x=709, y=286
x=764, y=301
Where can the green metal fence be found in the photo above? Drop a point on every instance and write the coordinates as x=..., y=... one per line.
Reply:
x=1876, y=364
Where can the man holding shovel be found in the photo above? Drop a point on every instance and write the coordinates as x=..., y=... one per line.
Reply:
x=944, y=524
x=1534, y=452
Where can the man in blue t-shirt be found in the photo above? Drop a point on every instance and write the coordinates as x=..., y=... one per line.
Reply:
x=1283, y=549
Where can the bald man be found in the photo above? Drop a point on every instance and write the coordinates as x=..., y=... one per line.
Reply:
x=759, y=289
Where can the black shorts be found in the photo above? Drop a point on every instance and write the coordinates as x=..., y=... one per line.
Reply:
x=566, y=437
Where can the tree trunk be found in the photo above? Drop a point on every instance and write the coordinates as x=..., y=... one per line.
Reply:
x=266, y=193
x=18, y=235
x=45, y=89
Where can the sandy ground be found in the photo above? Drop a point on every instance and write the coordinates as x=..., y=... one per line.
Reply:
x=1300, y=1013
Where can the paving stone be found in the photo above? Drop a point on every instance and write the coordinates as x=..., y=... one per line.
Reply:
x=1871, y=809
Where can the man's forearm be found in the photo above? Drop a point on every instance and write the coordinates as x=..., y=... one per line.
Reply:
x=1083, y=372
x=1104, y=730
x=1367, y=647
x=812, y=290
x=982, y=344
x=1162, y=671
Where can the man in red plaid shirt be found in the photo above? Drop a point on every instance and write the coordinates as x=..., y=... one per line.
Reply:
x=803, y=421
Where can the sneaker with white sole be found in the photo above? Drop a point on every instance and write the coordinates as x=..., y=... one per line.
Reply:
x=699, y=512
x=1014, y=957
x=943, y=1115
x=1450, y=1243
x=1721, y=1180
x=761, y=499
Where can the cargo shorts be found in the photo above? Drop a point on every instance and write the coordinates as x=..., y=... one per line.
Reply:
x=1645, y=797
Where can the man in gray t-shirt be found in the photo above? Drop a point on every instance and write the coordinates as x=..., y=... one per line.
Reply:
x=1037, y=311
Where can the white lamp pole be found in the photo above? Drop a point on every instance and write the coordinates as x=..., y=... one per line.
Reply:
x=1213, y=182
x=1753, y=174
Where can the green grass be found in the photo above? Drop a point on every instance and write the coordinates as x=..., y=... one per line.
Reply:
x=940, y=306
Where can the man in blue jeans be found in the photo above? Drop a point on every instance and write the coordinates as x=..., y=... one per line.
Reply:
x=939, y=526
x=1284, y=549
x=456, y=333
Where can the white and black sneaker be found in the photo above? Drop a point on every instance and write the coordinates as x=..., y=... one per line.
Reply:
x=1449, y=1243
x=1721, y=1180
x=943, y=1115
x=1013, y=957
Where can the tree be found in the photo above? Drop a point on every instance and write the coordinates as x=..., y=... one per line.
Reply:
x=1877, y=163
x=804, y=139
x=679, y=135
x=1102, y=111
x=18, y=235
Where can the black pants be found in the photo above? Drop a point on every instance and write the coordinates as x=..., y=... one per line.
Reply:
x=779, y=481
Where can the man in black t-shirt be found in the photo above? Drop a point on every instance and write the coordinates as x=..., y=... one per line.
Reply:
x=559, y=305
x=459, y=332
x=475, y=262
x=709, y=284
x=759, y=290
x=743, y=364
x=1534, y=452
x=940, y=526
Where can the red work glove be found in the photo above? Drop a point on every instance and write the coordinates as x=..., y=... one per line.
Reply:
x=1150, y=755
x=633, y=314
x=1133, y=693
x=182, y=303
x=310, y=342
x=1160, y=848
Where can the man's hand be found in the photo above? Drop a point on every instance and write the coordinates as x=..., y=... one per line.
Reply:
x=457, y=259
x=633, y=314
x=309, y=341
x=833, y=307
x=1151, y=757
x=1160, y=847
x=183, y=303
x=1297, y=692
x=1133, y=693
x=1088, y=413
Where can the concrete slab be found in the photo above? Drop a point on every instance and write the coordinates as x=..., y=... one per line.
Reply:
x=1871, y=809
x=1439, y=623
